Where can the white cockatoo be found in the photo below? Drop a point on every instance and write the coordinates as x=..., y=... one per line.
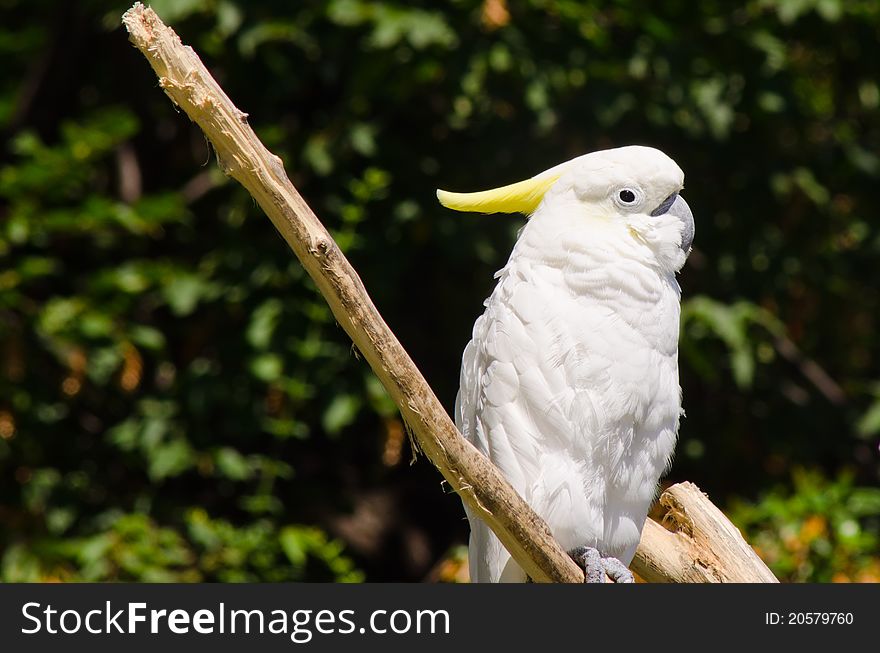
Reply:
x=570, y=381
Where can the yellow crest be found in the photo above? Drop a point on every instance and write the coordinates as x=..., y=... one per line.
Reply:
x=521, y=197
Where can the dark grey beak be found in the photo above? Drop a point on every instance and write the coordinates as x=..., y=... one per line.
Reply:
x=675, y=205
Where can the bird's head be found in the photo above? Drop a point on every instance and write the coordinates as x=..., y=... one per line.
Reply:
x=634, y=187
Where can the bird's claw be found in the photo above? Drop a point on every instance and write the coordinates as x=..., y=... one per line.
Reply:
x=596, y=567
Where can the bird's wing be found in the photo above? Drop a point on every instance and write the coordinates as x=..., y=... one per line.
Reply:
x=490, y=415
x=515, y=405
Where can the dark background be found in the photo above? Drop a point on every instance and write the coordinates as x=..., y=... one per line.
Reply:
x=176, y=400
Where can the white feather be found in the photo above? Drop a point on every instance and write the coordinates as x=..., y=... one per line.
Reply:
x=570, y=381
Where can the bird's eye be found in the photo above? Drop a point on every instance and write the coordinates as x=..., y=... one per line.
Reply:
x=626, y=196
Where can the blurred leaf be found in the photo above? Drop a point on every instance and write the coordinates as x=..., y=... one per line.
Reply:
x=232, y=464
x=263, y=323
x=340, y=413
x=869, y=424
x=184, y=292
x=170, y=459
x=267, y=367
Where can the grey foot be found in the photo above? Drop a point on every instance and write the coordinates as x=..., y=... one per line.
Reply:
x=597, y=567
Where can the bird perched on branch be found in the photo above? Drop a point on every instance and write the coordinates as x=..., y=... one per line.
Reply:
x=570, y=381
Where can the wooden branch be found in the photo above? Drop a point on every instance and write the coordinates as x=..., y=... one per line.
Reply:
x=701, y=545
x=481, y=486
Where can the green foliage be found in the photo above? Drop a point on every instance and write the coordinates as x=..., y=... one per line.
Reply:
x=817, y=530
x=731, y=323
x=176, y=400
x=133, y=548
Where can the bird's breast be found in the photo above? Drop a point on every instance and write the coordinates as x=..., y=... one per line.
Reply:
x=595, y=296
x=570, y=385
